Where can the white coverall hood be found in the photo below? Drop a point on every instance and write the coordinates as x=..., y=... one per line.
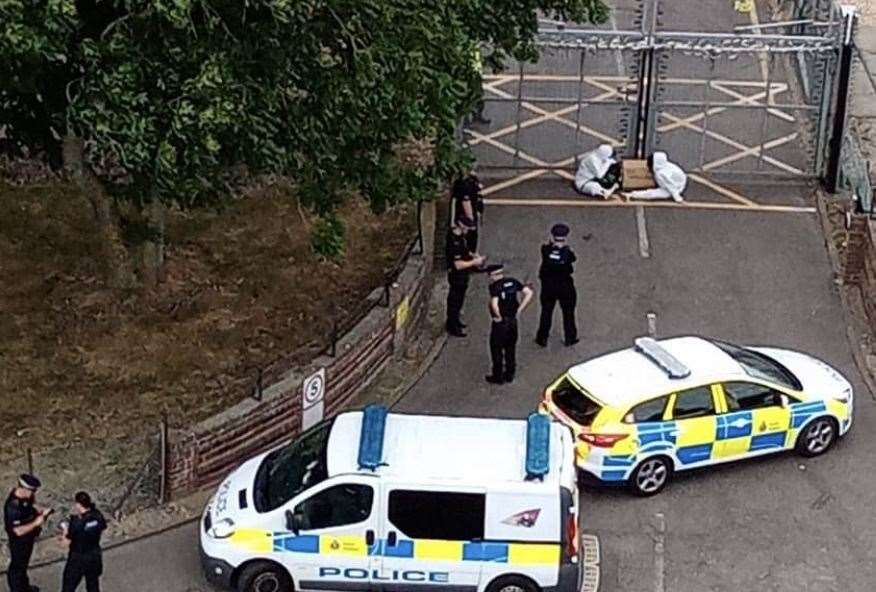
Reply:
x=594, y=165
x=669, y=176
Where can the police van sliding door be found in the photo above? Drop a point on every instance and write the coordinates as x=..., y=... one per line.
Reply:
x=428, y=536
x=337, y=527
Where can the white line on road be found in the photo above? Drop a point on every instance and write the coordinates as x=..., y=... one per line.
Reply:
x=659, y=549
x=644, y=247
x=687, y=205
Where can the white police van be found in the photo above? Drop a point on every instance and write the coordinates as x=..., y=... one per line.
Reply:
x=374, y=501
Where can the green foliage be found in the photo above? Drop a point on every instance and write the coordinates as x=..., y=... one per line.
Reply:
x=328, y=237
x=172, y=93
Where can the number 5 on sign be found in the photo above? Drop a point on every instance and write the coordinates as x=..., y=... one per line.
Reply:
x=312, y=396
x=745, y=6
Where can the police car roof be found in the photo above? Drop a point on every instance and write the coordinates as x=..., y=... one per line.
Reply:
x=425, y=448
x=628, y=376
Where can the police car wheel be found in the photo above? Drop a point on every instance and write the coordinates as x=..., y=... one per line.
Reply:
x=817, y=437
x=264, y=577
x=512, y=584
x=651, y=476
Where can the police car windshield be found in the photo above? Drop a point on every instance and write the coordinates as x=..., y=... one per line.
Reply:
x=758, y=365
x=574, y=402
x=288, y=471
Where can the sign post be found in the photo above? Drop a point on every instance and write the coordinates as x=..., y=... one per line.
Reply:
x=313, y=399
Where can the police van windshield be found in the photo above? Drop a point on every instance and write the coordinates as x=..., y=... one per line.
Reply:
x=758, y=365
x=289, y=470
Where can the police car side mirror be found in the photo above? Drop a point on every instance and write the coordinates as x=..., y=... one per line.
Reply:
x=784, y=401
x=293, y=522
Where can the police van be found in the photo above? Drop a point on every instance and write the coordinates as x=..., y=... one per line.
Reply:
x=378, y=501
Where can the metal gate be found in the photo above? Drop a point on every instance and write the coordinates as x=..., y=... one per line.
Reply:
x=753, y=103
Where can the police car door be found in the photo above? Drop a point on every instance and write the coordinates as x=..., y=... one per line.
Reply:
x=424, y=538
x=336, y=524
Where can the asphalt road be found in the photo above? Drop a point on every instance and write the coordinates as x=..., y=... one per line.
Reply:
x=748, y=275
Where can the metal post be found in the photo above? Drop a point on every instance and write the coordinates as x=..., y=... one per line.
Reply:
x=831, y=181
x=580, y=98
x=765, y=121
x=30, y=461
x=420, y=248
x=162, y=451
x=519, y=108
x=707, y=97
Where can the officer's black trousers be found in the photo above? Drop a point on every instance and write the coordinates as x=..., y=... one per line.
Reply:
x=551, y=293
x=87, y=566
x=471, y=240
x=19, y=558
x=455, y=299
x=503, y=348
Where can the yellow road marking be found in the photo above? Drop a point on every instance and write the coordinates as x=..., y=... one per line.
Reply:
x=731, y=142
x=592, y=79
x=751, y=151
x=751, y=100
x=693, y=205
x=722, y=190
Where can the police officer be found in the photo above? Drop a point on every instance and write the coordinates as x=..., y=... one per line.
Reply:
x=23, y=522
x=82, y=535
x=557, y=285
x=460, y=263
x=504, y=309
x=467, y=202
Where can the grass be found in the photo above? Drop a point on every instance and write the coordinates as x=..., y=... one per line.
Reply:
x=82, y=362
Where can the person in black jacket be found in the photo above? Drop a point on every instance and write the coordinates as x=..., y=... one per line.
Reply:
x=461, y=262
x=467, y=202
x=505, y=306
x=82, y=536
x=23, y=521
x=557, y=284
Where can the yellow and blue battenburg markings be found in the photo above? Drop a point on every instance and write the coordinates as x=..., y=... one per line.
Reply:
x=434, y=550
x=662, y=436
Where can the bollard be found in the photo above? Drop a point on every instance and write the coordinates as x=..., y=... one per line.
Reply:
x=652, y=324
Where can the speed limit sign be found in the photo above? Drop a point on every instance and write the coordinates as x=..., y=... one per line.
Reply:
x=312, y=396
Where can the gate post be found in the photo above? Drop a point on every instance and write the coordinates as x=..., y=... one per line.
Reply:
x=831, y=182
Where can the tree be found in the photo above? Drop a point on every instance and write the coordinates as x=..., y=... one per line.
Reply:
x=169, y=96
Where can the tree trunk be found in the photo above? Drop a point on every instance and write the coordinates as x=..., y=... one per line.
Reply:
x=152, y=266
x=121, y=274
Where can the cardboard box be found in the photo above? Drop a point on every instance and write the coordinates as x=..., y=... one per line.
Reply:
x=636, y=175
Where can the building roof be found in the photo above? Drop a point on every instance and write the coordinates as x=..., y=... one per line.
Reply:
x=626, y=377
x=425, y=448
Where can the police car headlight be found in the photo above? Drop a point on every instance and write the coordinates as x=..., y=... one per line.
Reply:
x=222, y=529
x=845, y=396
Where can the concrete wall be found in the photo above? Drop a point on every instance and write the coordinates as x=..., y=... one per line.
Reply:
x=203, y=455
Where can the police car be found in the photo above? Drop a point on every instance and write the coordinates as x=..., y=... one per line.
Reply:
x=389, y=502
x=642, y=413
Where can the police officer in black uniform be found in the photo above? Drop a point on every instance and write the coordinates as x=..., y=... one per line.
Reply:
x=82, y=534
x=23, y=522
x=467, y=202
x=504, y=309
x=460, y=263
x=557, y=284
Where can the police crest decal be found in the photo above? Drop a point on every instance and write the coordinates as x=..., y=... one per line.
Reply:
x=527, y=518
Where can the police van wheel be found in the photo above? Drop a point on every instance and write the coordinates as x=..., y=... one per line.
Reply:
x=817, y=437
x=512, y=584
x=264, y=577
x=651, y=476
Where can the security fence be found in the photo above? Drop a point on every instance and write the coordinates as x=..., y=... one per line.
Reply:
x=720, y=103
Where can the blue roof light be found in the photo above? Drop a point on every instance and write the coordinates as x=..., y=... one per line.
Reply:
x=371, y=437
x=538, y=445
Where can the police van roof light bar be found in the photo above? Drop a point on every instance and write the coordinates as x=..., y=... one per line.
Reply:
x=371, y=437
x=538, y=442
x=652, y=350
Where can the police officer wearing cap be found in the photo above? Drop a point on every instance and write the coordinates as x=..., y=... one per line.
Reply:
x=467, y=202
x=23, y=522
x=461, y=261
x=504, y=310
x=82, y=536
x=557, y=284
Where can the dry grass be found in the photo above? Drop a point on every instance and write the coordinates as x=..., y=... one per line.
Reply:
x=242, y=288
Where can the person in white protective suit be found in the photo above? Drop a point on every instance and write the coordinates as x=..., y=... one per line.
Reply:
x=670, y=179
x=593, y=168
